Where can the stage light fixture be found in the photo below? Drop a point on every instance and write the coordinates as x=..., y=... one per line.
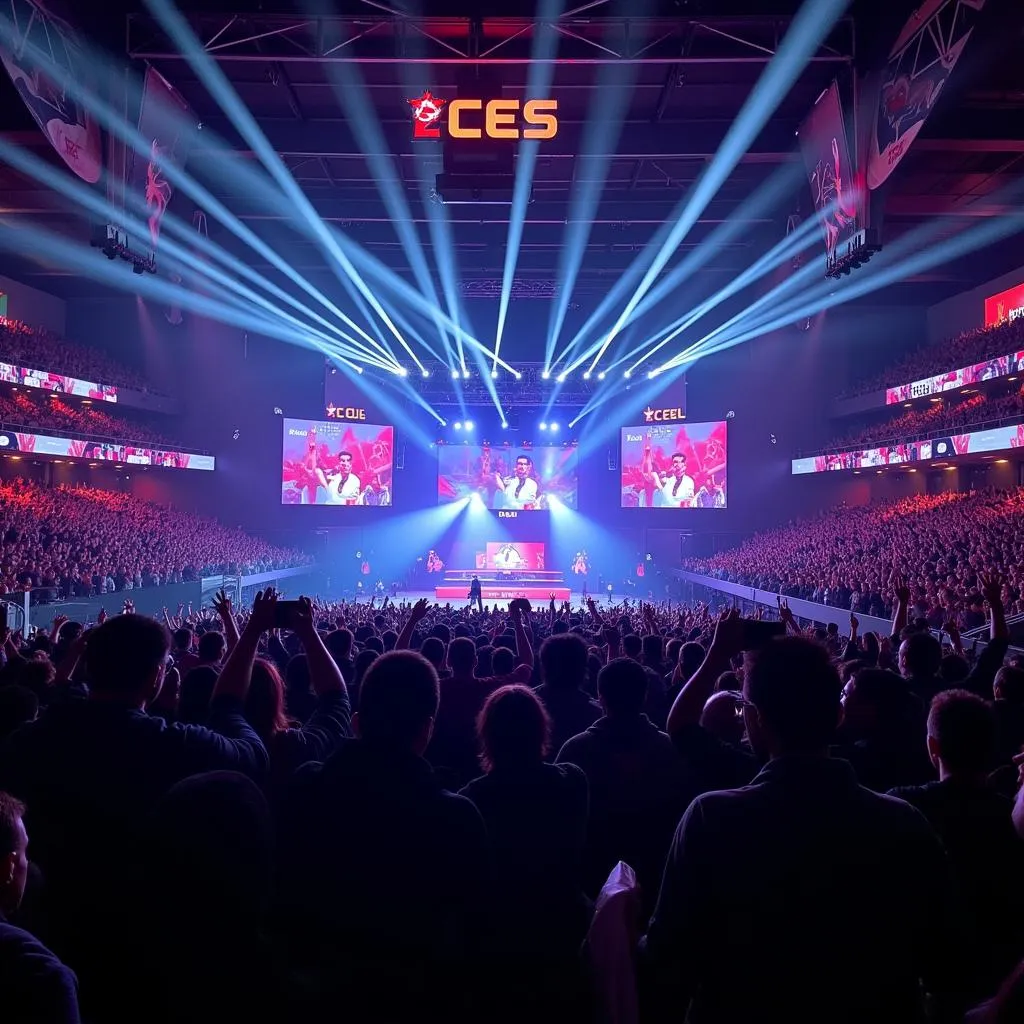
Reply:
x=561, y=378
x=465, y=374
x=494, y=374
x=628, y=374
x=457, y=424
x=469, y=424
x=586, y=375
x=544, y=426
x=455, y=374
x=546, y=375
x=403, y=372
x=504, y=425
x=552, y=427
x=519, y=376
x=601, y=375
x=426, y=372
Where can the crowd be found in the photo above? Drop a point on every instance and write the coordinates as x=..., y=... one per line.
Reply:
x=846, y=556
x=82, y=541
x=52, y=413
x=305, y=812
x=39, y=349
x=951, y=354
x=936, y=417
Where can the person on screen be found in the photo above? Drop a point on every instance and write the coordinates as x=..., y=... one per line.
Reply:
x=520, y=490
x=677, y=489
x=344, y=487
x=508, y=557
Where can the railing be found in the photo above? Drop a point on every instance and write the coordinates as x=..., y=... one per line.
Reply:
x=931, y=435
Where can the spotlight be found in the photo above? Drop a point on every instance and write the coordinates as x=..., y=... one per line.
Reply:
x=494, y=374
x=650, y=375
x=403, y=372
x=628, y=374
x=519, y=376
x=600, y=376
x=546, y=375
x=465, y=374
x=457, y=424
x=469, y=424
x=544, y=426
x=455, y=374
x=359, y=369
x=426, y=372
x=586, y=376
x=561, y=378
x=504, y=425
x=552, y=427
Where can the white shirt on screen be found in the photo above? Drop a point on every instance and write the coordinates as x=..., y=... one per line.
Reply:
x=527, y=494
x=344, y=492
x=683, y=494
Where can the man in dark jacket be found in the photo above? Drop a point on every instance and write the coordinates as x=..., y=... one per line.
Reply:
x=382, y=870
x=635, y=779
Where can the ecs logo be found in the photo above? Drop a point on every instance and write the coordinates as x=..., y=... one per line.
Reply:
x=499, y=118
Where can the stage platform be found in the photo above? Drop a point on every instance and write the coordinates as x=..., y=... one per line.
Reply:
x=537, y=593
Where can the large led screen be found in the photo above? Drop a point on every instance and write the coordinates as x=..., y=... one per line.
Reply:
x=102, y=451
x=328, y=463
x=674, y=466
x=514, y=556
x=1005, y=306
x=518, y=479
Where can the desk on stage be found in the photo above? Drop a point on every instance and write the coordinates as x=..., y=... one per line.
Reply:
x=498, y=585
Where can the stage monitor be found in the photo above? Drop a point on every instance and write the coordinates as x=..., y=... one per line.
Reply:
x=515, y=556
x=677, y=466
x=326, y=463
x=507, y=478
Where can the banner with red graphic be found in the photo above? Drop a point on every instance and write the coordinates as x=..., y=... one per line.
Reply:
x=920, y=62
x=1005, y=306
x=517, y=556
x=101, y=451
x=57, y=383
x=995, y=440
x=39, y=52
x=164, y=120
x=976, y=373
x=679, y=466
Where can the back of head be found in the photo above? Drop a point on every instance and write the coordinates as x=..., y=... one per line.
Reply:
x=503, y=661
x=389, y=638
x=563, y=661
x=1009, y=684
x=211, y=647
x=961, y=732
x=462, y=656
x=398, y=699
x=125, y=655
x=954, y=669
x=182, y=639
x=622, y=688
x=691, y=657
x=796, y=690
x=920, y=656
x=442, y=632
x=364, y=659
x=339, y=643
x=196, y=691
x=433, y=650
x=264, y=703
x=374, y=643
x=652, y=649
x=632, y=645
x=513, y=729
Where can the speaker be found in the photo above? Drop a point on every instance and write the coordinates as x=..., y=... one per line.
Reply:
x=613, y=460
x=399, y=462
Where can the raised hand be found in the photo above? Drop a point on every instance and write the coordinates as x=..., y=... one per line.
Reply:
x=222, y=603
x=900, y=589
x=728, y=639
x=264, y=611
x=991, y=587
x=854, y=623
x=419, y=609
x=785, y=615
x=58, y=621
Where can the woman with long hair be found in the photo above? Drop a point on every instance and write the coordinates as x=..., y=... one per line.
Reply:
x=536, y=817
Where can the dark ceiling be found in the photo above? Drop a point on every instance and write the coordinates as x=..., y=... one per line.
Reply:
x=688, y=69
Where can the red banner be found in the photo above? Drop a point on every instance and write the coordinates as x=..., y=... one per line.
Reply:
x=1005, y=306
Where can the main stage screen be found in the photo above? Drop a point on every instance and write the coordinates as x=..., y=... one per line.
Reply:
x=674, y=466
x=326, y=463
x=522, y=479
x=515, y=556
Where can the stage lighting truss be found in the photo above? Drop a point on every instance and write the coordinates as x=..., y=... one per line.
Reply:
x=855, y=253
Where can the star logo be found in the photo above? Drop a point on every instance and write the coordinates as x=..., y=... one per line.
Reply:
x=426, y=116
x=331, y=410
x=649, y=414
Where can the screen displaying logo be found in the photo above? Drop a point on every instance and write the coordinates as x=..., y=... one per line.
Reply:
x=478, y=119
x=1005, y=307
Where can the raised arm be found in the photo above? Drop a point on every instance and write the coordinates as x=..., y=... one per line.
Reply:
x=419, y=610
x=236, y=675
x=690, y=701
x=524, y=649
x=902, y=614
x=324, y=673
x=222, y=606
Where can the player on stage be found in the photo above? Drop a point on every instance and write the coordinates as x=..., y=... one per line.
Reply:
x=475, y=594
x=434, y=563
x=520, y=490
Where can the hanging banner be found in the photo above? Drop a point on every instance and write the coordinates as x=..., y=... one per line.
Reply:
x=164, y=120
x=39, y=51
x=921, y=60
x=829, y=170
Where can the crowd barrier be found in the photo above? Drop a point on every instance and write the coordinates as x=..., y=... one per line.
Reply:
x=147, y=600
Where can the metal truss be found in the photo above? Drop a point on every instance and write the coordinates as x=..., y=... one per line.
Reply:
x=386, y=36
